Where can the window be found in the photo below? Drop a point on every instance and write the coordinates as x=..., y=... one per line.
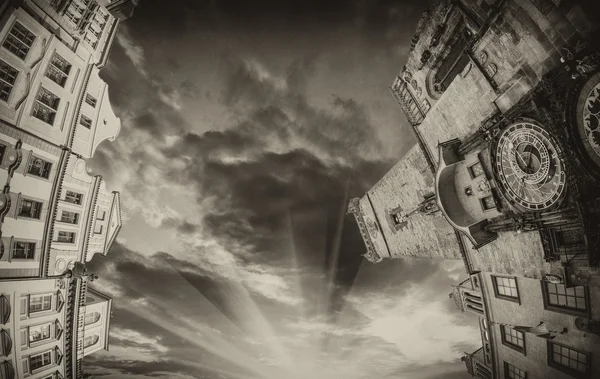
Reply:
x=30, y=209
x=40, y=303
x=8, y=76
x=91, y=100
x=475, y=170
x=98, y=229
x=558, y=297
x=19, y=40
x=65, y=237
x=69, y=217
x=73, y=197
x=58, y=70
x=2, y=151
x=39, y=167
x=90, y=340
x=38, y=361
x=47, y=104
x=513, y=338
x=512, y=372
x=39, y=333
x=566, y=359
x=488, y=203
x=91, y=318
x=73, y=14
x=23, y=250
x=455, y=61
x=505, y=288
x=85, y=121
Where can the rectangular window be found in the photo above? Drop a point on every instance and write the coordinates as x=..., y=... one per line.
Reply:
x=568, y=360
x=73, y=197
x=85, y=121
x=39, y=333
x=475, y=170
x=69, y=217
x=505, y=288
x=513, y=338
x=65, y=237
x=30, y=209
x=558, y=297
x=488, y=203
x=73, y=14
x=58, y=70
x=45, y=106
x=512, y=372
x=91, y=100
x=23, y=250
x=98, y=229
x=38, y=361
x=39, y=167
x=40, y=303
x=19, y=40
x=8, y=76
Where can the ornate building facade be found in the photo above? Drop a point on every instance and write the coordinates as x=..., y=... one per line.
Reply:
x=502, y=97
x=54, y=215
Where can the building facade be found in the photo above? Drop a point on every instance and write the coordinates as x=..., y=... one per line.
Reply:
x=502, y=97
x=54, y=216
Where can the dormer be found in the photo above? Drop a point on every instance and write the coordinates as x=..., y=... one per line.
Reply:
x=97, y=315
x=105, y=224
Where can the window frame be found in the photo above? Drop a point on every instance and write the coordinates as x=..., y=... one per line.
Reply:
x=499, y=295
x=32, y=250
x=74, y=220
x=504, y=330
x=78, y=195
x=34, y=203
x=70, y=241
x=565, y=369
x=470, y=170
x=482, y=202
x=85, y=121
x=91, y=100
x=45, y=106
x=515, y=368
x=47, y=167
x=5, y=79
x=42, y=296
x=565, y=309
x=52, y=65
x=20, y=42
x=50, y=336
x=41, y=353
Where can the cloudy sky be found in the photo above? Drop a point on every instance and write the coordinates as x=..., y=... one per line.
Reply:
x=245, y=130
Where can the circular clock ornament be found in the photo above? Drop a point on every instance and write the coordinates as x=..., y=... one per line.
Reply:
x=373, y=228
x=527, y=166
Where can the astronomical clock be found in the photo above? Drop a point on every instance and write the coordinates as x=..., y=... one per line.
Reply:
x=527, y=164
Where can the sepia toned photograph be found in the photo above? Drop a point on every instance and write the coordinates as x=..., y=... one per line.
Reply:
x=299, y=189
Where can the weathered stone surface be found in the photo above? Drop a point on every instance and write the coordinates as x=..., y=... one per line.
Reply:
x=403, y=187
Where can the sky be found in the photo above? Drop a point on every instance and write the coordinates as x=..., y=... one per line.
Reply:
x=246, y=128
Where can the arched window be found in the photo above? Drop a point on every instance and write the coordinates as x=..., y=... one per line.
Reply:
x=90, y=340
x=91, y=318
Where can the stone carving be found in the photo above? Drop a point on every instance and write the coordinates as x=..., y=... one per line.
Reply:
x=482, y=57
x=591, y=117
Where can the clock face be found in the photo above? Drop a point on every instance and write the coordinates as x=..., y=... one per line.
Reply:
x=528, y=167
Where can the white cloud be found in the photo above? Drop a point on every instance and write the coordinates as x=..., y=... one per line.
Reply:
x=420, y=319
x=148, y=343
x=134, y=51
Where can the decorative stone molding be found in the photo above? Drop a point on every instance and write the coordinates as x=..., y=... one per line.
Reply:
x=371, y=254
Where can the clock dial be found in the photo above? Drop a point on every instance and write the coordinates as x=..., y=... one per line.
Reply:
x=528, y=167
